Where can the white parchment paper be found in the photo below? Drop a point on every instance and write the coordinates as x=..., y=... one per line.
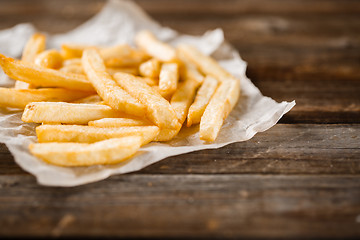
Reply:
x=117, y=22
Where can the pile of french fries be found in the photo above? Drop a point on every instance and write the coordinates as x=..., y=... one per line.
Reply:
x=99, y=105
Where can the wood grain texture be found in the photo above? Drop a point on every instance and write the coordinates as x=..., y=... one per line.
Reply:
x=184, y=205
x=300, y=179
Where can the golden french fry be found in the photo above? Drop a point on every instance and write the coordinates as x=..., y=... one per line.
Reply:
x=155, y=48
x=69, y=113
x=122, y=56
x=71, y=50
x=49, y=59
x=118, y=122
x=35, y=45
x=202, y=99
x=168, y=80
x=183, y=97
x=219, y=108
x=159, y=111
x=205, y=63
x=43, y=77
x=131, y=70
x=72, y=61
x=150, y=68
x=189, y=70
x=90, y=99
x=19, y=98
x=121, y=50
x=75, y=69
x=149, y=81
x=88, y=134
x=106, y=87
x=109, y=151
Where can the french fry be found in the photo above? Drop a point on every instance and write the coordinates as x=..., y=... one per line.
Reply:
x=150, y=68
x=189, y=70
x=118, y=122
x=168, y=80
x=155, y=48
x=159, y=111
x=120, y=50
x=35, y=45
x=90, y=99
x=219, y=107
x=74, y=69
x=202, y=99
x=72, y=61
x=82, y=154
x=122, y=56
x=149, y=81
x=19, y=98
x=106, y=87
x=49, y=59
x=69, y=51
x=69, y=113
x=88, y=134
x=43, y=77
x=183, y=97
x=205, y=63
x=131, y=70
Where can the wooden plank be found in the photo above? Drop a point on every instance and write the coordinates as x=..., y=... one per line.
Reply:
x=284, y=149
x=210, y=206
x=317, y=101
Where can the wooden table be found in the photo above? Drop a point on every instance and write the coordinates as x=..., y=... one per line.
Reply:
x=300, y=179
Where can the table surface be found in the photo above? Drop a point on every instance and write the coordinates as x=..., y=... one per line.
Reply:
x=299, y=179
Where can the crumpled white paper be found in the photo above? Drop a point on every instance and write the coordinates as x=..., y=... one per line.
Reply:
x=117, y=23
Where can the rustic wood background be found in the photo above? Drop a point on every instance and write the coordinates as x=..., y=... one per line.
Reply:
x=299, y=179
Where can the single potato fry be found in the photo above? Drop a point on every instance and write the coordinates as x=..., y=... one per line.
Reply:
x=168, y=80
x=159, y=111
x=219, y=108
x=148, y=81
x=189, y=70
x=88, y=134
x=120, y=50
x=49, y=59
x=155, y=48
x=72, y=61
x=202, y=99
x=19, y=98
x=122, y=56
x=35, y=45
x=106, y=87
x=82, y=154
x=119, y=122
x=205, y=63
x=90, y=99
x=150, y=68
x=183, y=97
x=131, y=70
x=43, y=77
x=75, y=69
x=71, y=50
x=69, y=113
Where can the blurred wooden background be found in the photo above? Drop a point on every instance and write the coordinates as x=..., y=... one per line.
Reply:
x=300, y=179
